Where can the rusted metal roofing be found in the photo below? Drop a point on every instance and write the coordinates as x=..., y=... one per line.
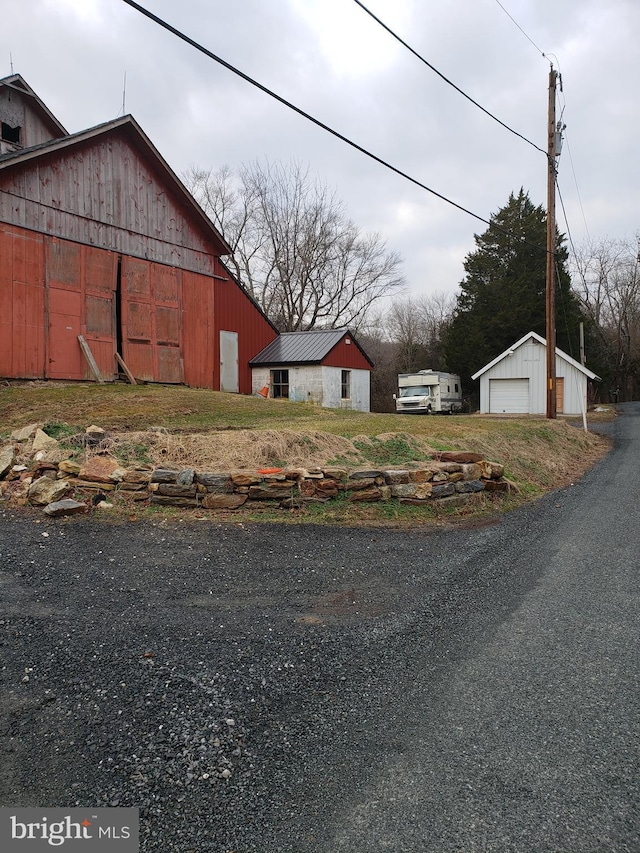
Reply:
x=310, y=347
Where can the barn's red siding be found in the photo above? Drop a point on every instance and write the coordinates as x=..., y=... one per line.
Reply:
x=22, y=303
x=347, y=356
x=53, y=290
x=235, y=312
x=199, y=330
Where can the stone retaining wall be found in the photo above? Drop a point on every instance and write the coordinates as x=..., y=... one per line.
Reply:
x=440, y=481
x=63, y=486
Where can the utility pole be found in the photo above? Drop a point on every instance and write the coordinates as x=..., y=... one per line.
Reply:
x=551, y=249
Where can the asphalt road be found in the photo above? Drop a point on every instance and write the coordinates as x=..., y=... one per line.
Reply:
x=294, y=689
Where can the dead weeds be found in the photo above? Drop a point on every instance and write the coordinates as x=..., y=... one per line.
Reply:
x=233, y=450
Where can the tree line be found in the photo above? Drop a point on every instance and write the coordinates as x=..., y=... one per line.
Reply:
x=308, y=265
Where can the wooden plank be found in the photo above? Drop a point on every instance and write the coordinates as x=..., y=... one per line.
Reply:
x=84, y=346
x=123, y=365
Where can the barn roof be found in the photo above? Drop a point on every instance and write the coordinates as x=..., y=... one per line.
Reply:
x=310, y=347
x=534, y=336
x=128, y=126
x=15, y=81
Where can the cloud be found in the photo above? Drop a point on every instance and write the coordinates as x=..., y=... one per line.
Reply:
x=331, y=59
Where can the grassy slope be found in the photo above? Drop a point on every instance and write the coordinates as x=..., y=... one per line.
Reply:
x=539, y=454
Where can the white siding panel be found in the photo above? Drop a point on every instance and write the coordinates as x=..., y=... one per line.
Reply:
x=305, y=385
x=509, y=396
x=360, y=383
x=259, y=378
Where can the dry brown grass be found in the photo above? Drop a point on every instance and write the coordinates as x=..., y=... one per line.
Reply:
x=536, y=460
x=233, y=450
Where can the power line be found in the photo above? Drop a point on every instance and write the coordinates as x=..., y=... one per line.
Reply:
x=446, y=79
x=316, y=121
x=571, y=243
x=541, y=52
x=575, y=180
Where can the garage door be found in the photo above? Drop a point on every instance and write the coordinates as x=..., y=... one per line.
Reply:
x=509, y=395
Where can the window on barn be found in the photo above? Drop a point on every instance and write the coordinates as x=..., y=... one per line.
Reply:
x=10, y=134
x=280, y=383
x=345, y=385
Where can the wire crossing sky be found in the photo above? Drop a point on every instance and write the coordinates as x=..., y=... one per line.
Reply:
x=343, y=68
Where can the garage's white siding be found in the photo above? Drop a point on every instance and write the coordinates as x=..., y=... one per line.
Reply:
x=321, y=386
x=502, y=383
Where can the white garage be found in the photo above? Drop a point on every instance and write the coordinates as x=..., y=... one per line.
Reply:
x=509, y=395
x=515, y=382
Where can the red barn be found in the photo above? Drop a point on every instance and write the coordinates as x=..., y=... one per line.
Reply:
x=99, y=238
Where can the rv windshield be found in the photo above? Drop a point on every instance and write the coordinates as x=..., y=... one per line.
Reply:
x=417, y=391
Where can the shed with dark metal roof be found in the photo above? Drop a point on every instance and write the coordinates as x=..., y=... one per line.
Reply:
x=333, y=347
x=324, y=367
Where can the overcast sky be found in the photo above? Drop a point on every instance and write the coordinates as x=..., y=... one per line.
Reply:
x=332, y=60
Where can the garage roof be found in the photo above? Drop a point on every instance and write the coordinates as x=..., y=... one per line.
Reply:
x=540, y=340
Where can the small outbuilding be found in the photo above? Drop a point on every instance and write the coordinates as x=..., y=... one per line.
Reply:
x=516, y=381
x=326, y=367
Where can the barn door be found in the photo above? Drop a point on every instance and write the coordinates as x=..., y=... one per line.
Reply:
x=229, y=362
x=100, y=276
x=22, y=304
x=151, y=321
x=81, y=283
x=64, y=291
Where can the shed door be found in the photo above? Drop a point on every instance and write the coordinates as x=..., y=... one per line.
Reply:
x=229, y=362
x=509, y=396
x=560, y=394
x=151, y=321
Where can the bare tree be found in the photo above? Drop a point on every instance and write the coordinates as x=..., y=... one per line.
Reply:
x=419, y=326
x=408, y=335
x=294, y=249
x=607, y=281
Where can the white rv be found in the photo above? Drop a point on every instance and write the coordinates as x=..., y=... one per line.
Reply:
x=427, y=392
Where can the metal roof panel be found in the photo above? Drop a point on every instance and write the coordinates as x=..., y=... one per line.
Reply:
x=300, y=347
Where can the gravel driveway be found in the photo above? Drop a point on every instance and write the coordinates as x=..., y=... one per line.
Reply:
x=286, y=688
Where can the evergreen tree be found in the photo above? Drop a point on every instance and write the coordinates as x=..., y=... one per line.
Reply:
x=503, y=295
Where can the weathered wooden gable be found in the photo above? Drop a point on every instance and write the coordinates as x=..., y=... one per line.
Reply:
x=25, y=120
x=107, y=190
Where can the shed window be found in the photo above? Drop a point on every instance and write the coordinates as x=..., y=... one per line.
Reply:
x=345, y=385
x=10, y=134
x=280, y=383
